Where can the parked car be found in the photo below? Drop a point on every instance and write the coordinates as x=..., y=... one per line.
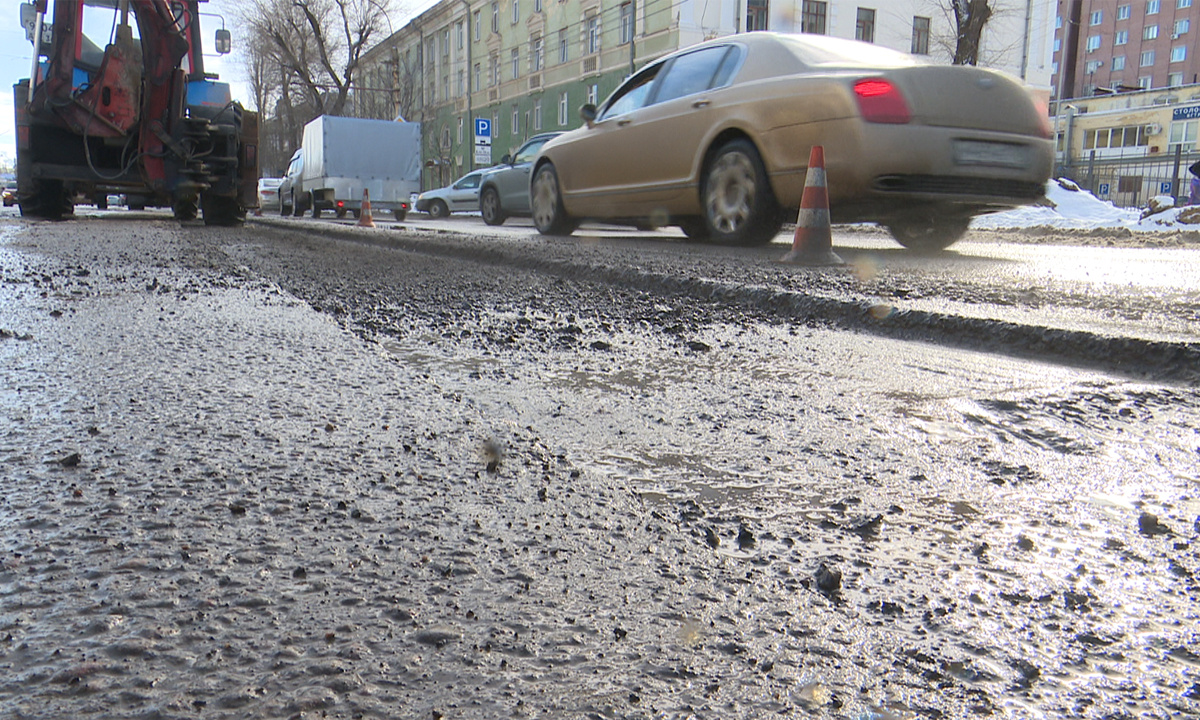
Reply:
x=715, y=139
x=288, y=202
x=10, y=196
x=268, y=193
x=460, y=196
x=504, y=190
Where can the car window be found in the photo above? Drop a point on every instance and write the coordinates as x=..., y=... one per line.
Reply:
x=530, y=149
x=691, y=73
x=630, y=96
x=470, y=181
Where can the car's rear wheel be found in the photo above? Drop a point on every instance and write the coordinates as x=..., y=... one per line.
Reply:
x=284, y=208
x=929, y=233
x=399, y=214
x=489, y=207
x=739, y=207
x=438, y=209
x=340, y=213
x=549, y=215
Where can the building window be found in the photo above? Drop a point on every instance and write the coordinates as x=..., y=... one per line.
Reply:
x=1179, y=53
x=460, y=35
x=1092, y=66
x=756, y=15
x=1103, y=138
x=1121, y=37
x=864, y=25
x=593, y=34
x=1152, y=7
x=1097, y=17
x=1147, y=58
x=445, y=87
x=537, y=5
x=478, y=87
x=1144, y=82
x=1183, y=133
x=1182, y=27
x=460, y=129
x=812, y=17
x=537, y=115
x=562, y=110
x=1149, y=32
x=515, y=56
x=495, y=17
x=494, y=70
x=626, y=23
x=1174, y=79
x=516, y=14
x=1122, y=12
x=516, y=120
x=1118, y=63
x=593, y=93
x=1057, y=44
x=1093, y=43
x=563, y=49
x=536, y=56
x=920, y=36
x=462, y=83
x=476, y=21
x=1181, y=4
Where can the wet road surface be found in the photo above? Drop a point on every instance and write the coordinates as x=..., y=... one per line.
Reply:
x=262, y=473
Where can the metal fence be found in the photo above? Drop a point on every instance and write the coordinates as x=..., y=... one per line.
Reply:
x=1132, y=181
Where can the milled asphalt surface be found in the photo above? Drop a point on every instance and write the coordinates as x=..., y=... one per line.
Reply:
x=309, y=470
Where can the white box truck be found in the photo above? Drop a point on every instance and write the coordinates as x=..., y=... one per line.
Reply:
x=339, y=157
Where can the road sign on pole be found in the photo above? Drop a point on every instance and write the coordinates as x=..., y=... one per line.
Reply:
x=483, y=141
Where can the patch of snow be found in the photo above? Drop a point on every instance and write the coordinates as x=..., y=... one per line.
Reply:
x=1067, y=206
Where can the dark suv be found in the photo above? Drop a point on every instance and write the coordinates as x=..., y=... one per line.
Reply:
x=504, y=191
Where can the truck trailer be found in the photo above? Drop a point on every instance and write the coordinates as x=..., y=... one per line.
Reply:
x=340, y=157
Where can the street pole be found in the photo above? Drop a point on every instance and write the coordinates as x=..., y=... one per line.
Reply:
x=632, y=26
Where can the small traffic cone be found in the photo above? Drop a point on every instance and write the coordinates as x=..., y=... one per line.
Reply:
x=813, y=243
x=364, y=215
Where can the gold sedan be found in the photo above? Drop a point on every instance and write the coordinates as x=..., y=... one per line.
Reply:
x=715, y=139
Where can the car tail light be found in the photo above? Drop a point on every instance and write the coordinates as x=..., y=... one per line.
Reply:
x=341, y=203
x=1043, y=108
x=880, y=102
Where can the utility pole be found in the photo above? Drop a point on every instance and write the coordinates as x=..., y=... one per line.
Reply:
x=632, y=26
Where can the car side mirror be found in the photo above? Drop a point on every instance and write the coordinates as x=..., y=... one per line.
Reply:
x=224, y=41
x=506, y=159
x=588, y=113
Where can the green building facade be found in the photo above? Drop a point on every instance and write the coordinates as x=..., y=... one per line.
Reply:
x=524, y=65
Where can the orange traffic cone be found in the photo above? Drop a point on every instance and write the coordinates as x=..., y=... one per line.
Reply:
x=364, y=215
x=813, y=244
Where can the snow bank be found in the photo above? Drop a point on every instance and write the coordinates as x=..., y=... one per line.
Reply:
x=1068, y=206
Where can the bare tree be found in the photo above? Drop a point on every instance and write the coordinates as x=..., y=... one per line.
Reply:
x=317, y=44
x=969, y=18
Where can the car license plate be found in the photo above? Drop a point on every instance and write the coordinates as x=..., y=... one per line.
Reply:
x=990, y=154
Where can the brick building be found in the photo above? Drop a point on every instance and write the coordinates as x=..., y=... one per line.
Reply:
x=1107, y=46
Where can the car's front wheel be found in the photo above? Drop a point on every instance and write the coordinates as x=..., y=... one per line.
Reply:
x=929, y=233
x=438, y=209
x=549, y=215
x=489, y=207
x=739, y=206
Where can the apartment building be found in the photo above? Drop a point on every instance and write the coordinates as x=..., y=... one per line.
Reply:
x=526, y=66
x=1112, y=46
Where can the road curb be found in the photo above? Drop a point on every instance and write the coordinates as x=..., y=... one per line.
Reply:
x=1133, y=357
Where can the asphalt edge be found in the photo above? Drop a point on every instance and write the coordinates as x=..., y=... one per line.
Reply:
x=1136, y=358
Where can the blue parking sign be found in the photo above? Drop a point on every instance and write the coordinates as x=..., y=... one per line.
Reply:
x=1165, y=188
x=483, y=127
x=1103, y=189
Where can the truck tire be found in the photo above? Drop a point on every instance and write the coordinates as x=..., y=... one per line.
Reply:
x=185, y=209
x=400, y=214
x=48, y=201
x=222, y=211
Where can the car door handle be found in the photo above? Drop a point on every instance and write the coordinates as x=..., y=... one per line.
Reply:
x=701, y=103
x=622, y=123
